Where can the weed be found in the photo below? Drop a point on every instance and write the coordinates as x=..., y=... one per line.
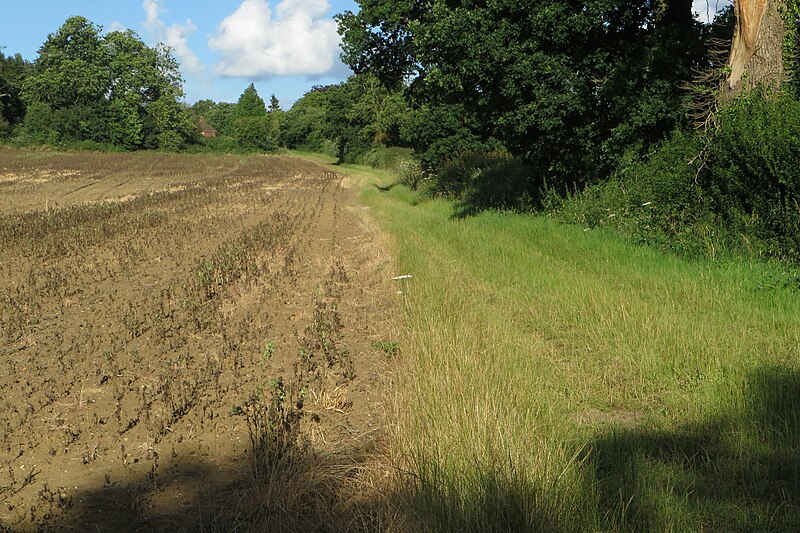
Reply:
x=390, y=348
x=267, y=352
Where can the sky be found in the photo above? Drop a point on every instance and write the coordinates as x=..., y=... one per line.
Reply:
x=284, y=47
x=705, y=10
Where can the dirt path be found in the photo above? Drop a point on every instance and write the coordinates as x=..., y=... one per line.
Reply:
x=185, y=342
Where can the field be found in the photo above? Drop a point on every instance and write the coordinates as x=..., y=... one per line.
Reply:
x=214, y=343
x=186, y=342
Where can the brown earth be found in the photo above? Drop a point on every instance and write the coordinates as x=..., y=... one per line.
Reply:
x=187, y=343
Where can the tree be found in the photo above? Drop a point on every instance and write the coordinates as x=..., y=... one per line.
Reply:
x=361, y=114
x=252, y=127
x=109, y=89
x=202, y=107
x=220, y=117
x=274, y=104
x=303, y=123
x=13, y=72
x=71, y=68
x=250, y=104
x=760, y=45
x=569, y=86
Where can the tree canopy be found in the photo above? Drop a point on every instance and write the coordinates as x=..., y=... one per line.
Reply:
x=568, y=85
x=108, y=89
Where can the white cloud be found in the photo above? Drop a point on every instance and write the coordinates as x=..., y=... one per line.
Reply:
x=296, y=40
x=175, y=36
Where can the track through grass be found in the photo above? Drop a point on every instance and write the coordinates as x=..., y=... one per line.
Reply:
x=556, y=379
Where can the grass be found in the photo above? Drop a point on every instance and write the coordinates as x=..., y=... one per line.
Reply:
x=556, y=379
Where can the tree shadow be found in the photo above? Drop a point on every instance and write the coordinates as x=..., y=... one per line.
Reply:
x=292, y=489
x=489, y=500
x=739, y=471
x=387, y=188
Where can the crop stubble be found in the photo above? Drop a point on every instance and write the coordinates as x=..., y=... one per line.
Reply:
x=169, y=325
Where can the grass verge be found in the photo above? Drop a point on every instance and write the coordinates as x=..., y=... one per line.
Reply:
x=556, y=379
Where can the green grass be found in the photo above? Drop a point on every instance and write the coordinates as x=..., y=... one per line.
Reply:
x=556, y=379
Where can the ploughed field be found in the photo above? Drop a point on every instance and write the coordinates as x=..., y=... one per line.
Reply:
x=172, y=329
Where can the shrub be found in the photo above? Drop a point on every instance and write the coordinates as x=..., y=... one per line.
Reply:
x=735, y=190
x=506, y=183
x=457, y=173
x=409, y=173
x=753, y=175
x=656, y=200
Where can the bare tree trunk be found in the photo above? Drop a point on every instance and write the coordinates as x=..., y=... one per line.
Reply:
x=756, y=57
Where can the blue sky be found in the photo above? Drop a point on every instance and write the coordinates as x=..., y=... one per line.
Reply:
x=283, y=46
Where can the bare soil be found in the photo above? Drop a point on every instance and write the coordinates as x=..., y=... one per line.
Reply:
x=186, y=343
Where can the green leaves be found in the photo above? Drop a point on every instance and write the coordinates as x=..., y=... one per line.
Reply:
x=71, y=67
x=566, y=85
x=250, y=104
x=110, y=89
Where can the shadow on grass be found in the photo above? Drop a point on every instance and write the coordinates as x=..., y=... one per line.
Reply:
x=739, y=471
x=387, y=188
x=490, y=500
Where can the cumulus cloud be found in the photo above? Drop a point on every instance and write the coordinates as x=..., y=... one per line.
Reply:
x=176, y=36
x=296, y=39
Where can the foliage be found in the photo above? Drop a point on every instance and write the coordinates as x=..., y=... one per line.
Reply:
x=112, y=89
x=439, y=133
x=361, y=114
x=752, y=171
x=219, y=116
x=250, y=125
x=274, y=104
x=409, y=173
x=13, y=71
x=251, y=133
x=569, y=86
x=250, y=104
x=455, y=176
x=655, y=200
x=303, y=123
x=506, y=183
x=72, y=67
x=733, y=190
x=387, y=158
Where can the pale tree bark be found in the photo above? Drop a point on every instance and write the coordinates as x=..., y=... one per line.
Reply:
x=756, y=57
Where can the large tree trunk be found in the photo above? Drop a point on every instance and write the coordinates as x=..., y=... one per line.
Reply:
x=757, y=49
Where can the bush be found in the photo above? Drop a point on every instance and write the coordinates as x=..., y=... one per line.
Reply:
x=253, y=133
x=656, y=200
x=457, y=174
x=409, y=173
x=753, y=173
x=733, y=191
x=506, y=183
